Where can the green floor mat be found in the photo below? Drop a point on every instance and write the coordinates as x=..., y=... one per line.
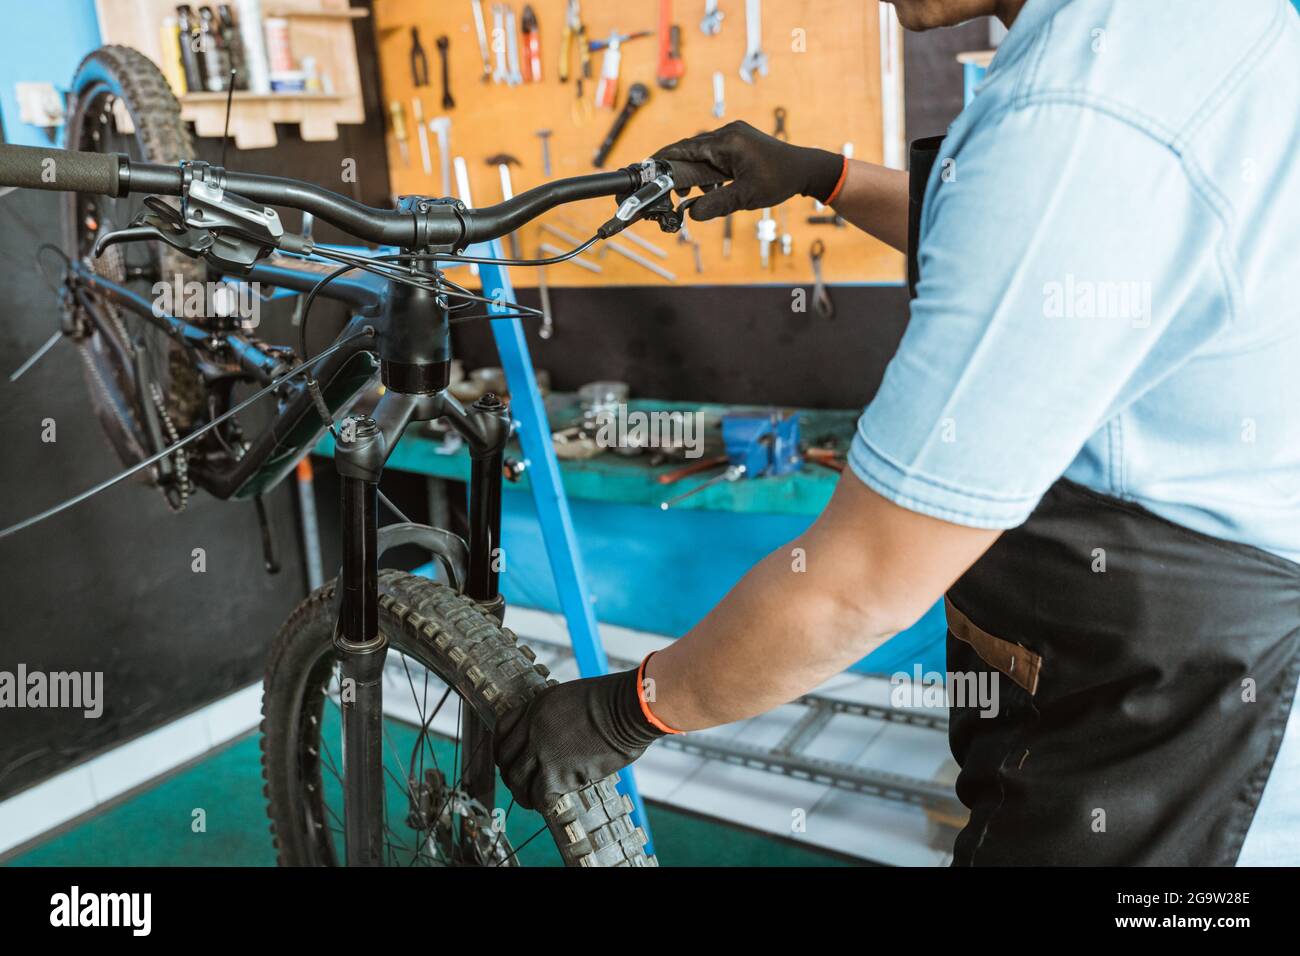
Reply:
x=159, y=825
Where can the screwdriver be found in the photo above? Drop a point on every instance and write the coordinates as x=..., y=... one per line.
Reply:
x=532, y=46
x=398, y=115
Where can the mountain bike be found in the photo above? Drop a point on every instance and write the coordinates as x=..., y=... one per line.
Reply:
x=140, y=210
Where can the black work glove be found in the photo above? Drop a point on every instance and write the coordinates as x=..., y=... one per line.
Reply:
x=571, y=735
x=764, y=170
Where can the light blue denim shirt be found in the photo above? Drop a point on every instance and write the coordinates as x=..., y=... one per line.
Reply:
x=1110, y=277
x=1110, y=290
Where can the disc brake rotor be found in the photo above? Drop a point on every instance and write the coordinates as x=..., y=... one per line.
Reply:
x=461, y=831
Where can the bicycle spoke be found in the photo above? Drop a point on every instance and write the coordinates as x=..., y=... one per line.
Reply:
x=511, y=855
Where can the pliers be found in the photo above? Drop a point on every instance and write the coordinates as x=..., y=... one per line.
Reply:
x=419, y=62
x=572, y=27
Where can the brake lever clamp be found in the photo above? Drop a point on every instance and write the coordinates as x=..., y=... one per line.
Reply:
x=224, y=229
x=653, y=201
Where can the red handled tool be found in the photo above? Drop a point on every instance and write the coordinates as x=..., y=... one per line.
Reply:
x=671, y=66
x=532, y=47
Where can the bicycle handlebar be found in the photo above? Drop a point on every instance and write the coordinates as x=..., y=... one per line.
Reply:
x=434, y=223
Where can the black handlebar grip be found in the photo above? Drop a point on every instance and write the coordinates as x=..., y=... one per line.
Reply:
x=687, y=175
x=39, y=167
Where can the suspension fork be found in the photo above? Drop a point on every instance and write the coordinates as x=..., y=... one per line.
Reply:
x=485, y=425
x=362, y=648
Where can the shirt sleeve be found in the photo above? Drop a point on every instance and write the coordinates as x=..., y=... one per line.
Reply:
x=1067, y=265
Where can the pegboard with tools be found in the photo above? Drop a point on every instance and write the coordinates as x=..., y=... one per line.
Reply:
x=498, y=90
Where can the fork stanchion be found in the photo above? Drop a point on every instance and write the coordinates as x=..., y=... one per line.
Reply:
x=362, y=651
x=552, y=505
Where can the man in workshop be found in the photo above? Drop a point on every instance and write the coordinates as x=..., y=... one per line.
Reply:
x=1088, y=441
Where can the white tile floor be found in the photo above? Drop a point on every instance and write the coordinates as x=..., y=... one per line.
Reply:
x=845, y=822
x=871, y=828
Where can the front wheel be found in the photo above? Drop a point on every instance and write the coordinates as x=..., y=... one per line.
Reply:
x=444, y=655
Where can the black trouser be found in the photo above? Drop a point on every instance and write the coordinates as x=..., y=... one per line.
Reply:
x=1141, y=706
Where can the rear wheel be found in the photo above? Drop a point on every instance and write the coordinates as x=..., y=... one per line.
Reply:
x=446, y=660
x=120, y=103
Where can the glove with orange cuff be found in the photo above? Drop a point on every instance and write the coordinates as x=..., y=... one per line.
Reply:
x=765, y=171
x=574, y=734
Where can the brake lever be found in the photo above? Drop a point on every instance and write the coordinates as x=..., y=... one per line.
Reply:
x=653, y=202
x=192, y=242
x=226, y=230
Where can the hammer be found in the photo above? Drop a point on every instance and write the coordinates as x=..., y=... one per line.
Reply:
x=503, y=162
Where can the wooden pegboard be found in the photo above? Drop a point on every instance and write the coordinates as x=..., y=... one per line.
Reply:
x=830, y=88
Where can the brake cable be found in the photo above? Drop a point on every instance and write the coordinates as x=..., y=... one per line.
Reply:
x=367, y=332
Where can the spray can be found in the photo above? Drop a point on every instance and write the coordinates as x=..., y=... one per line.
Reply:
x=234, y=45
x=170, y=43
x=250, y=32
x=216, y=61
x=187, y=29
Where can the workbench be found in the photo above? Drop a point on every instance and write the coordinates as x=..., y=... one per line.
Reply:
x=617, y=479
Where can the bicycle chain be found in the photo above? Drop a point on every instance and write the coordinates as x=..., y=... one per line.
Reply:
x=183, y=486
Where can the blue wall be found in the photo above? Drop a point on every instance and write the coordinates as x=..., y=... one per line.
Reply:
x=42, y=42
x=663, y=571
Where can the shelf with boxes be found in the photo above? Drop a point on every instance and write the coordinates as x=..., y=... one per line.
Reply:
x=295, y=62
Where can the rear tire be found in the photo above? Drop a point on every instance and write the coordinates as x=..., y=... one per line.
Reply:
x=480, y=661
x=109, y=82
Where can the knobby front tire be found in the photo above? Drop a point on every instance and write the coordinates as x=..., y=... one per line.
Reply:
x=470, y=659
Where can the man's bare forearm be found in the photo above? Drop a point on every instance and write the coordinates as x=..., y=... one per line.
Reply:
x=874, y=199
x=865, y=570
x=774, y=637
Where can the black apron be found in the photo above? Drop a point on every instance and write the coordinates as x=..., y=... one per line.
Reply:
x=1145, y=674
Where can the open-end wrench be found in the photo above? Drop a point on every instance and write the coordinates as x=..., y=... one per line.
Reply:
x=755, y=61
x=502, y=73
x=512, y=48
x=448, y=102
x=481, y=29
x=711, y=25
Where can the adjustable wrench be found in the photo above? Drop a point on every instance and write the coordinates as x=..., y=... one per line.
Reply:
x=755, y=59
x=481, y=29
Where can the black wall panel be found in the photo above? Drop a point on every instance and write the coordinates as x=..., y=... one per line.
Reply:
x=108, y=586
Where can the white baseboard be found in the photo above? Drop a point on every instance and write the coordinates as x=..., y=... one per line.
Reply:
x=78, y=790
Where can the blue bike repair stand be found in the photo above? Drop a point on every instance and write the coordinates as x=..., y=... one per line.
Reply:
x=529, y=412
